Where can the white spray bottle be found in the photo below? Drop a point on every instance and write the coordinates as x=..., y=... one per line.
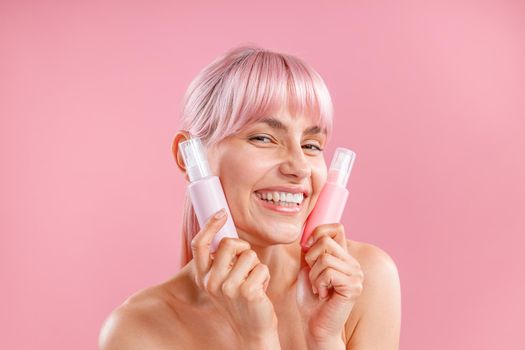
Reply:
x=205, y=189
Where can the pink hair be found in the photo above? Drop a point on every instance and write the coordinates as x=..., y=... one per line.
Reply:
x=240, y=87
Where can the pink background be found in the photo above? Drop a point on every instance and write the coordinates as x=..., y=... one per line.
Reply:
x=430, y=95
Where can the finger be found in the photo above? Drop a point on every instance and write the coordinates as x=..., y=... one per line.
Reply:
x=342, y=284
x=200, y=244
x=239, y=273
x=225, y=255
x=329, y=261
x=327, y=245
x=260, y=276
x=334, y=230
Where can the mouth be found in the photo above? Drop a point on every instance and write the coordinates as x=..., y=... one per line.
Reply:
x=281, y=207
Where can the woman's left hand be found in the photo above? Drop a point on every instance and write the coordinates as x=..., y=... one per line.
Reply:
x=328, y=285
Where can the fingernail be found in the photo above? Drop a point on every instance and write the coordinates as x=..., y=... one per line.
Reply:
x=322, y=293
x=310, y=241
x=220, y=214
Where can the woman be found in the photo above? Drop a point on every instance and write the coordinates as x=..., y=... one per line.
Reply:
x=265, y=118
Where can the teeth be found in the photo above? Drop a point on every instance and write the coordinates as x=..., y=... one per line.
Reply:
x=282, y=198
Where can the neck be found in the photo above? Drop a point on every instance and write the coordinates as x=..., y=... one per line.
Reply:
x=283, y=261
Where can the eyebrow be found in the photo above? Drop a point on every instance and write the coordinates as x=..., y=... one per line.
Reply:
x=277, y=124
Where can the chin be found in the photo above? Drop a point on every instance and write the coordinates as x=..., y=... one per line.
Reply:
x=276, y=229
x=282, y=233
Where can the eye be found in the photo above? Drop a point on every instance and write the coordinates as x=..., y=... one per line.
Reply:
x=259, y=137
x=316, y=147
x=262, y=137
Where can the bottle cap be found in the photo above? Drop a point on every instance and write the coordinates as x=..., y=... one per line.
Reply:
x=341, y=166
x=194, y=157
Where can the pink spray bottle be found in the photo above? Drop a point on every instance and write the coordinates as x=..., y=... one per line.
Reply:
x=332, y=199
x=205, y=189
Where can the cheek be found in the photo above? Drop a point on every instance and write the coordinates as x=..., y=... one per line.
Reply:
x=239, y=174
x=319, y=169
x=319, y=176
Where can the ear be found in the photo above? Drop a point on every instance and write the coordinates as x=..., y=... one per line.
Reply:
x=180, y=136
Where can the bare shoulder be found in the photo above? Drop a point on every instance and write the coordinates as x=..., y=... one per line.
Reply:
x=143, y=321
x=376, y=318
x=372, y=258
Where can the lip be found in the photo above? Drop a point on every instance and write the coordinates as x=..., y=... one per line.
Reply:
x=290, y=189
x=289, y=211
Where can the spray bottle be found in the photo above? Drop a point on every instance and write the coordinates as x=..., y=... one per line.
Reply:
x=205, y=189
x=332, y=199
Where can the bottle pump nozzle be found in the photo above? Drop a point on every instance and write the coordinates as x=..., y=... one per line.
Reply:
x=194, y=157
x=341, y=166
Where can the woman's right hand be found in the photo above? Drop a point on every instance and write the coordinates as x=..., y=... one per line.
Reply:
x=236, y=282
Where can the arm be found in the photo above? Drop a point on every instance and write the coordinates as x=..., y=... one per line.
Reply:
x=126, y=329
x=134, y=328
x=379, y=305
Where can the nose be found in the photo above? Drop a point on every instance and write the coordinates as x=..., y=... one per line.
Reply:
x=295, y=164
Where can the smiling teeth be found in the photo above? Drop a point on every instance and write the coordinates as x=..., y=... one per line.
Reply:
x=282, y=198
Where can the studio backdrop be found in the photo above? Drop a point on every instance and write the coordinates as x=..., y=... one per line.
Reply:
x=429, y=94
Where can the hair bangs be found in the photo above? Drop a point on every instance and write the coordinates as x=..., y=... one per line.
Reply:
x=276, y=82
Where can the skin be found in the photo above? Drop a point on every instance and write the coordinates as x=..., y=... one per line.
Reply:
x=339, y=294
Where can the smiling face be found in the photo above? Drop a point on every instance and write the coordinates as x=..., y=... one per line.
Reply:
x=281, y=155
